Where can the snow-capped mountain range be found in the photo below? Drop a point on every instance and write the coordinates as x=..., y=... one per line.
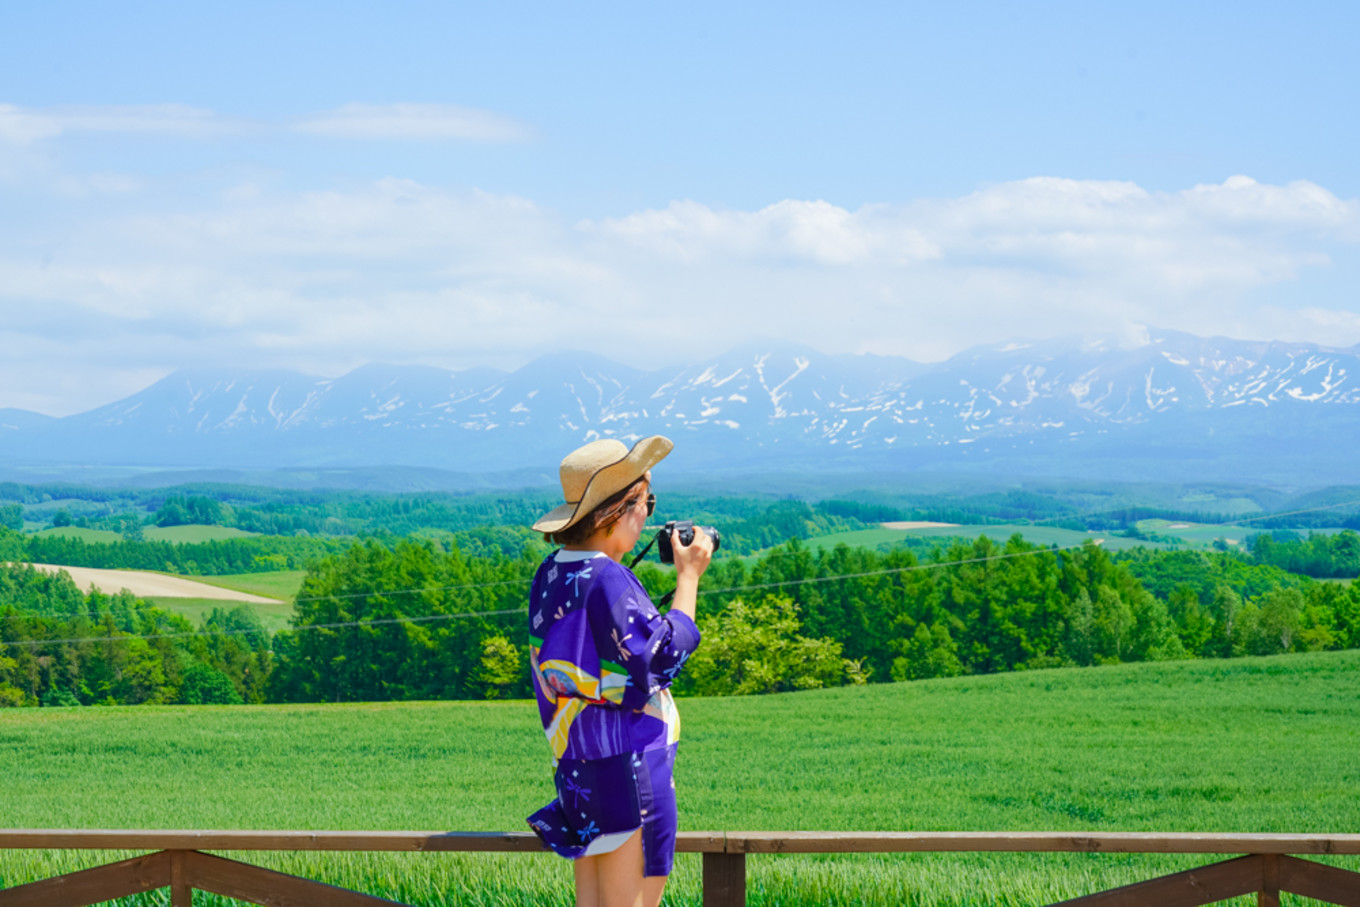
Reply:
x=1255, y=409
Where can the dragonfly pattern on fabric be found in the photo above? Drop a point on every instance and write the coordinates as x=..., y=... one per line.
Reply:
x=669, y=673
x=578, y=793
x=601, y=657
x=604, y=656
x=624, y=654
x=575, y=577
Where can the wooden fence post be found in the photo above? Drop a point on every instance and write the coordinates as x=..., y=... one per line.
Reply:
x=724, y=880
x=1269, y=895
x=181, y=894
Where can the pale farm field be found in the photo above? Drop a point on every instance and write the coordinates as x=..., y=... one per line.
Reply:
x=151, y=585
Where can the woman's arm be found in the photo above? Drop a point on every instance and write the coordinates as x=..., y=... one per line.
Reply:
x=690, y=563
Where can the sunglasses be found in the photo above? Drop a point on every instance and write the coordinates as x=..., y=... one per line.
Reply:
x=651, y=504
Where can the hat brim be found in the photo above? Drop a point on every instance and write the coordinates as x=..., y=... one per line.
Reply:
x=606, y=481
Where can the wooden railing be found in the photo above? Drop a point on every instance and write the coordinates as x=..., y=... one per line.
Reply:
x=1269, y=864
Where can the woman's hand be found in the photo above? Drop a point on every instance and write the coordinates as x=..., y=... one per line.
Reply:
x=692, y=559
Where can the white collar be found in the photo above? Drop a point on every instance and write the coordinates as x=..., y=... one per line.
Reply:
x=564, y=556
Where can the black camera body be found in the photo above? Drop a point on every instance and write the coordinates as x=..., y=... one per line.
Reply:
x=664, y=549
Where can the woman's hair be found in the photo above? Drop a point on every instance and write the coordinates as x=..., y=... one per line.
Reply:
x=609, y=512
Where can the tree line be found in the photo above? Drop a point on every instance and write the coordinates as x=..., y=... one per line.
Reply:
x=983, y=607
x=213, y=558
x=60, y=646
x=1326, y=555
x=749, y=524
x=412, y=618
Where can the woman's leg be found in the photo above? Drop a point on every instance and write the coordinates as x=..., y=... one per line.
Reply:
x=587, y=881
x=615, y=879
x=652, y=889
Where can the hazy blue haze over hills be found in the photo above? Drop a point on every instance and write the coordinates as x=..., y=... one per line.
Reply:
x=18, y=419
x=1175, y=406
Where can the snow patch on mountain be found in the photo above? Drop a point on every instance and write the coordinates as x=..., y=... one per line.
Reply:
x=772, y=400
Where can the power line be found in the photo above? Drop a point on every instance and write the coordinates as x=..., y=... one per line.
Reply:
x=463, y=586
x=511, y=582
x=313, y=598
x=1271, y=516
x=331, y=626
x=431, y=617
x=890, y=570
x=1245, y=519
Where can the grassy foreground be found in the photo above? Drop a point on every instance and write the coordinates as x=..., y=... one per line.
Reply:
x=1241, y=745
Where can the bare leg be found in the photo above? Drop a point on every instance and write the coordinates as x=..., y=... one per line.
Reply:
x=615, y=879
x=587, y=881
x=652, y=889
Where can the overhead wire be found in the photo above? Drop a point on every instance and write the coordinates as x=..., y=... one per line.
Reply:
x=304, y=600
x=1271, y=516
x=798, y=581
x=891, y=570
x=254, y=632
x=524, y=581
x=1230, y=522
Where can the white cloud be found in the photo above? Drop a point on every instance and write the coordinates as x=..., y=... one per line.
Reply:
x=795, y=230
x=400, y=271
x=1239, y=232
x=414, y=122
x=1241, y=200
x=21, y=126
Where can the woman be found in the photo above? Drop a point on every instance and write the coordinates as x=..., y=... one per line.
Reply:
x=603, y=658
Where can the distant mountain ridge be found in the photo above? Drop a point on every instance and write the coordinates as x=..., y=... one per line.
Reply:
x=20, y=419
x=1250, y=409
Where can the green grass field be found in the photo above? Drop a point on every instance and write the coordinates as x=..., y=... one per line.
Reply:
x=94, y=536
x=1039, y=535
x=282, y=585
x=1243, y=745
x=1199, y=535
x=192, y=534
x=178, y=534
x=274, y=617
x=1185, y=535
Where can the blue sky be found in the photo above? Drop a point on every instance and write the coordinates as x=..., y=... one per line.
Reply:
x=320, y=185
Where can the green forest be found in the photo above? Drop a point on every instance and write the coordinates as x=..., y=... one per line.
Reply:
x=417, y=618
x=750, y=521
x=420, y=596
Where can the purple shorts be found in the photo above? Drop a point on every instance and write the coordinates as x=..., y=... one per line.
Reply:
x=601, y=802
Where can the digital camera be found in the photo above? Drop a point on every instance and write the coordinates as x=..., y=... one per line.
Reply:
x=686, y=528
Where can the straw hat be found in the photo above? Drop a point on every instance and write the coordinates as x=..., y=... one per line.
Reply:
x=592, y=473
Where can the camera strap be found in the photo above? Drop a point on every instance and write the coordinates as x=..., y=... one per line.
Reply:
x=643, y=552
x=665, y=599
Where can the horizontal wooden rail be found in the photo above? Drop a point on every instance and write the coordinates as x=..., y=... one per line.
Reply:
x=1267, y=868
x=743, y=842
x=1032, y=842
